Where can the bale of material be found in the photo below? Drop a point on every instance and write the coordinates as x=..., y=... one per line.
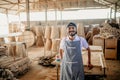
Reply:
x=80, y=30
x=28, y=37
x=12, y=50
x=90, y=40
x=47, y=32
x=55, y=45
x=48, y=44
x=39, y=41
x=13, y=28
x=88, y=35
x=38, y=30
x=55, y=32
x=109, y=30
x=63, y=31
x=95, y=31
x=3, y=50
x=98, y=41
x=2, y=41
x=86, y=30
x=21, y=50
x=17, y=50
x=12, y=39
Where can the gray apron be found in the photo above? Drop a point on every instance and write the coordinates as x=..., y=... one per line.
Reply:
x=72, y=64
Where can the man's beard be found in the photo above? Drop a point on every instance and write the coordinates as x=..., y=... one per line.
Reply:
x=72, y=33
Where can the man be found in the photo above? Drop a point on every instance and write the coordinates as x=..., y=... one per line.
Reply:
x=70, y=52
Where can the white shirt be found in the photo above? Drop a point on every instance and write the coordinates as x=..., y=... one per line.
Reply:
x=83, y=42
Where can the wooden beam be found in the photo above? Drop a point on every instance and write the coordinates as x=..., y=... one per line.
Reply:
x=8, y=1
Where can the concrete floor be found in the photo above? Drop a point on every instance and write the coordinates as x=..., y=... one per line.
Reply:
x=38, y=72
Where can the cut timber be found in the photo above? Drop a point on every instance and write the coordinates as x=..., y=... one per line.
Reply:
x=28, y=37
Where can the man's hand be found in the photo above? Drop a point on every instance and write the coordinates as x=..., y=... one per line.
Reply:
x=90, y=66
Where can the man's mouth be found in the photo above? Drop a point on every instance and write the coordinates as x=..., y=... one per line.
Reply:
x=71, y=31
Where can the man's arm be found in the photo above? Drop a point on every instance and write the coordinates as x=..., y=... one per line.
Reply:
x=89, y=56
x=61, y=53
x=89, y=59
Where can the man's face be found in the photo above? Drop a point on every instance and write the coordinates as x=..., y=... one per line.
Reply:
x=71, y=30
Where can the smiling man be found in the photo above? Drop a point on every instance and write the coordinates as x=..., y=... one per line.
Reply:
x=70, y=52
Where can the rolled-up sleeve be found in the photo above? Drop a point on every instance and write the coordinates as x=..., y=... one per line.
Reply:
x=84, y=43
x=62, y=43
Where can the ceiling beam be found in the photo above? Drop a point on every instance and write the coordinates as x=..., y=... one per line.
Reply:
x=8, y=1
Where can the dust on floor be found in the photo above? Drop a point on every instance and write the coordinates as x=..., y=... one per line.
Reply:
x=38, y=72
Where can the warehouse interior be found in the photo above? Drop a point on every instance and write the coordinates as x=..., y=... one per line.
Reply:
x=31, y=32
